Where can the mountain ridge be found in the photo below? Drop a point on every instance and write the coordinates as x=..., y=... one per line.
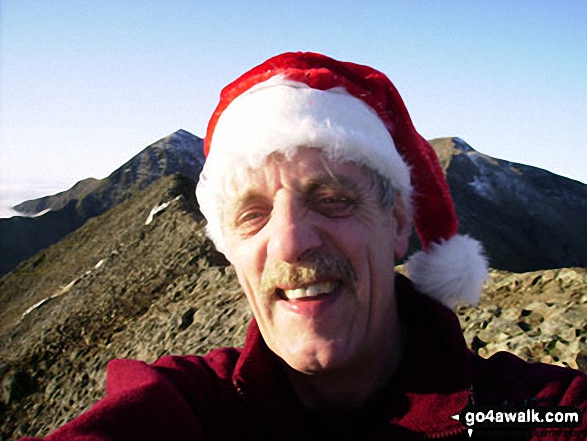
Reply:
x=180, y=152
x=527, y=218
x=57, y=201
x=22, y=237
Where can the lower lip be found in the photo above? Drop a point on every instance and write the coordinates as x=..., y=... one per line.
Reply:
x=311, y=306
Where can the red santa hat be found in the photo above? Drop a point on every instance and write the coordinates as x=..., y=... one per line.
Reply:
x=352, y=113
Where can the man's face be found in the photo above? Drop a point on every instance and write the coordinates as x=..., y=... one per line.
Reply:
x=314, y=252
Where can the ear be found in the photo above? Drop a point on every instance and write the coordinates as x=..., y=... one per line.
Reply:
x=403, y=224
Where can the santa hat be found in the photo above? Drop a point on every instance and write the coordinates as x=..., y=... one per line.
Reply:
x=352, y=113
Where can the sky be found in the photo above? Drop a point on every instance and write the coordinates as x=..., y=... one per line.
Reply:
x=85, y=86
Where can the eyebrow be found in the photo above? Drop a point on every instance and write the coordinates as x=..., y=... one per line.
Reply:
x=328, y=180
x=248, y=196
x=331, y=181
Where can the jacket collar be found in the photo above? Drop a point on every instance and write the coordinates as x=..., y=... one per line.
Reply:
x=433, y=381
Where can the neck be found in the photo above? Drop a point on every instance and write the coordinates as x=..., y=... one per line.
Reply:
x=351, y=386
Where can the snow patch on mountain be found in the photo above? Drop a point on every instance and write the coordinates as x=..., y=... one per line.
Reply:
x=496, y=178
x=62, y=290
x=483, y=187
x=158, y=209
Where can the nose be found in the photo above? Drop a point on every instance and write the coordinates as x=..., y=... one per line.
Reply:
x=293, y=235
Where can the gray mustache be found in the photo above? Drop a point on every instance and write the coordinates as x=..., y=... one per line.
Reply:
x=279, y=273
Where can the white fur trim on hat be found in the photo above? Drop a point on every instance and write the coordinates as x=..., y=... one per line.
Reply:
x=280, y=115
x=452, y=272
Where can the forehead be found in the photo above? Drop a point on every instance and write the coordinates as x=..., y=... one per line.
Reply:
x=304, y=169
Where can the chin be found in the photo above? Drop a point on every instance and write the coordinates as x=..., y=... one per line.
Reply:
x=314, y=361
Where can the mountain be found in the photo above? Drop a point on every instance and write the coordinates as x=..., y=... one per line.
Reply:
x=181, y=152
x=142, y=281
x=21, y=237
x=59, y=200
x=527, y=218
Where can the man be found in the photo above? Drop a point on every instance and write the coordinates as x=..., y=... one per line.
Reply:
x=313, y=177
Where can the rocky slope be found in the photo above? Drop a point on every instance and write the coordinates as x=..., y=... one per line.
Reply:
x=131, y=283
x=180, y=152
x=540, y=316
x=90, y=287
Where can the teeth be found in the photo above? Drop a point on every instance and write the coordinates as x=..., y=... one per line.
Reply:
x=309, y=291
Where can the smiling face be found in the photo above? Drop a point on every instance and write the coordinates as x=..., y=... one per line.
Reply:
x=314, y=251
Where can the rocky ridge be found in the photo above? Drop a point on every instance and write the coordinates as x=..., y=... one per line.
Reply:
x=22, y=237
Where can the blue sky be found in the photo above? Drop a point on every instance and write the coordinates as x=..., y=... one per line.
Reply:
x=87, y=85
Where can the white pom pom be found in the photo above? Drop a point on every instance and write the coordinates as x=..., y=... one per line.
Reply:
x=452, y=271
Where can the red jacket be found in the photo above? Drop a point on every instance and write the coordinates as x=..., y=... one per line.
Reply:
x=242, y=394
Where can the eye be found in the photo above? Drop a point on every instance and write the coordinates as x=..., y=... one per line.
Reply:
x=334, y=204
x=251, y=219
x=248, y=216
